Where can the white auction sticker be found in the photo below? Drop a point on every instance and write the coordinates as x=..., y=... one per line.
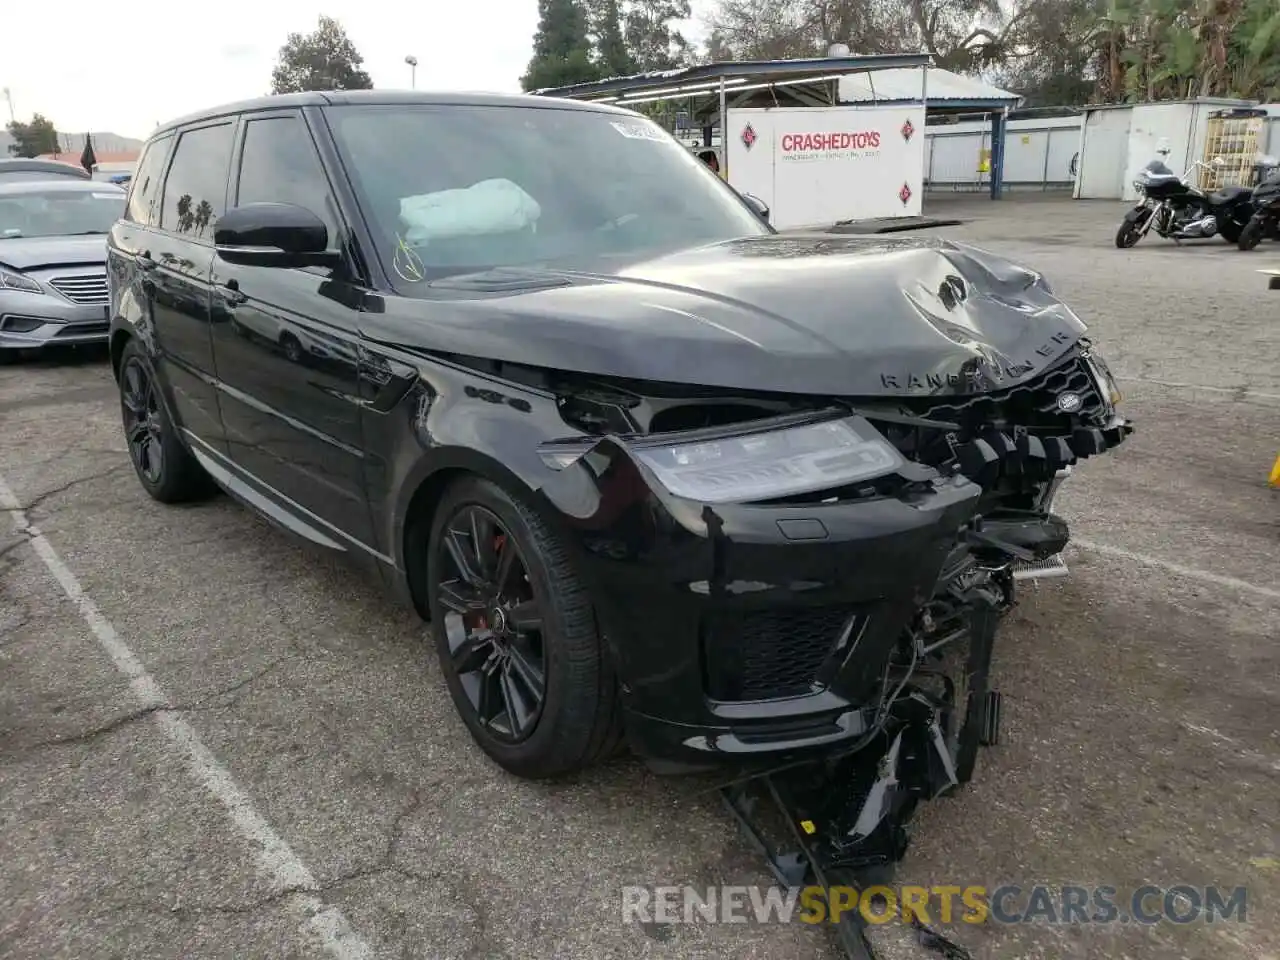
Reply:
x=640, y=131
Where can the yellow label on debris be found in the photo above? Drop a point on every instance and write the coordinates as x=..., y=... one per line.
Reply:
x=1275, y=473
x=808, y=827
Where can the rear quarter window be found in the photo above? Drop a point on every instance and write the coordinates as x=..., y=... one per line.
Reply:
x=145, y=185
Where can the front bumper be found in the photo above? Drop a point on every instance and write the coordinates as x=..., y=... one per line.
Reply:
x=29, y=321
x=745, y=631
x=763, y=632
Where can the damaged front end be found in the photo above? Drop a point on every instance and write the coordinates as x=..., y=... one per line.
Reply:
x=765, y=567
x=814, y=584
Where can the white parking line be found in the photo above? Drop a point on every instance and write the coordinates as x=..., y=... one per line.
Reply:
x=324, y=925
x=1190, y=573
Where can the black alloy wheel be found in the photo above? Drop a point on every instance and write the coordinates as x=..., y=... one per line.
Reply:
x=166, y=469
x=140, y=405
x=493, y=623
x=515, y=632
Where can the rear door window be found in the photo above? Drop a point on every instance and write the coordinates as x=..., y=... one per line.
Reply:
x=195, y=191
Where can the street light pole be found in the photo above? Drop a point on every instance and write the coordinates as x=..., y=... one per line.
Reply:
x=8, y=95
x=412, y=61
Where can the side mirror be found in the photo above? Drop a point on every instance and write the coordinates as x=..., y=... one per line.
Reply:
x=758, y=205
x=273, y=235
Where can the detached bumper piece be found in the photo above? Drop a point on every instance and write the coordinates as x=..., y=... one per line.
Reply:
x=842, y=822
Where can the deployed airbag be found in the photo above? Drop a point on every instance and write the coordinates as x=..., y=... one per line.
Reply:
x=487, y=207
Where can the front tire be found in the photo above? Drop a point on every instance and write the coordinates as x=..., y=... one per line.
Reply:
x=516, y=635
x=1128, y=235
x=1252, y=234
x=165, y=468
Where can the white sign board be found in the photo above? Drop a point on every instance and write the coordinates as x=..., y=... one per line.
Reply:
x=819, y=165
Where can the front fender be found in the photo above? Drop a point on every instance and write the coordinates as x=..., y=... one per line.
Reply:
x=1139, y=214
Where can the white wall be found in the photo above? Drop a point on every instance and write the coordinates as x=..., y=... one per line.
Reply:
x=1104, y=152
x=1037, y=151
x=1151, y=126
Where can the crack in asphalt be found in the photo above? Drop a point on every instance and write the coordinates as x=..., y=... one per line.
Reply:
x=123, y=720
x=40, y=498
x=465, y=892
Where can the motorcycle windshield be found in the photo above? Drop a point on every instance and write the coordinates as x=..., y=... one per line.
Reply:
x=1157, y=168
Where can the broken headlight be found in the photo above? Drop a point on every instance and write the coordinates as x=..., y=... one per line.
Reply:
x=773, y=463
x=1102, y=376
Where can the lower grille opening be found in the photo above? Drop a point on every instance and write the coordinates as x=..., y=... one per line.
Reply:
x=82, y=329
x=770, y=654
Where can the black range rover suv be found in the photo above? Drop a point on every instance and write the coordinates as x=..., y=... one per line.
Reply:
x=654, y=473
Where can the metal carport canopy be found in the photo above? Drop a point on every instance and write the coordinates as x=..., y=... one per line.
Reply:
x=714, y=88
x=734, y=75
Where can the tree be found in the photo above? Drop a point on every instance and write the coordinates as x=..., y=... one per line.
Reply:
x=88, y=159
x=323, y=60
x=650, y=39
x=1053, y=52
x=960, y=34
x=561, y=50
x=34, y=138
x=604, y=24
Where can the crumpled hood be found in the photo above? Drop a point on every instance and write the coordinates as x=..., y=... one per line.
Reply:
x=29, y=253
x=808, y=314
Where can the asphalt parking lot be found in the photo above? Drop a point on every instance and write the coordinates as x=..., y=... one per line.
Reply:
x=216, y=743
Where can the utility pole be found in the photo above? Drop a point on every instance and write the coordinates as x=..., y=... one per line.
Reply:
x=8, y=95
x=412, y=61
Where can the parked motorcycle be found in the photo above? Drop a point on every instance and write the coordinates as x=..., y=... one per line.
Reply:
x=1265, y=222
x=1178, y=211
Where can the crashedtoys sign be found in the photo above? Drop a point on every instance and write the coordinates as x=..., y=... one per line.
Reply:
x=817, y=165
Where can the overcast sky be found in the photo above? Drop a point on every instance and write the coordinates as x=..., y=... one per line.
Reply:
x=126, y=67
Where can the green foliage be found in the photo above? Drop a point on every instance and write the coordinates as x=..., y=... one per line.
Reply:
x=562, y=53
x=1050, y=51
x=325, y=59
x=650, y=39
x=583, y=40
x=605, y=25
x=33, y=139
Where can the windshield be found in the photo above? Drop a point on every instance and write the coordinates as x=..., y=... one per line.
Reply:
x=58, y=213
x=452, y=189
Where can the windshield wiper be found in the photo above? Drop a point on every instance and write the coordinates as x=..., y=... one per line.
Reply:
x=87, y=233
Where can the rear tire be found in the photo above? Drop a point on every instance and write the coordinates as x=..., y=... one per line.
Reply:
x=575, y=722
x=1128, y=235
x=1230, y=231
x=1251, y=235
x=165, y=467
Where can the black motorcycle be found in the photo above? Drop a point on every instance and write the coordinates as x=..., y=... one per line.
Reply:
x=1178, y=211
x=1265, y=222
